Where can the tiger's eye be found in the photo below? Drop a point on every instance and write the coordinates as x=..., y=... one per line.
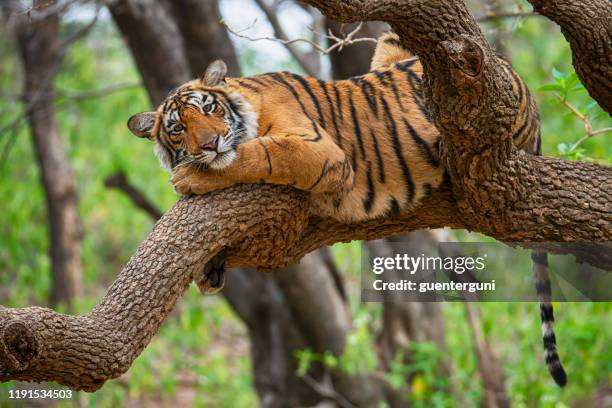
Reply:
x=178, y=128
x=209, y=108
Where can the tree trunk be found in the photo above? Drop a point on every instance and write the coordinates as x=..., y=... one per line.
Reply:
x=205, y=38
x=40, y=51
x=156, y=44
x=320, y=312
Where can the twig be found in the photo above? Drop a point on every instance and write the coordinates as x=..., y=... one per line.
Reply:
x=100, y=92
x=326, y=389
x=588, y=128
x=339, y=43
x=491, y=15
x=120, y=182
x=305, y=60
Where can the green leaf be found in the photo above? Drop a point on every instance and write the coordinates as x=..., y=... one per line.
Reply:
x=571, y=80
x=558, y=75
x=329, y=360
x=551, y=88
x=305, y=358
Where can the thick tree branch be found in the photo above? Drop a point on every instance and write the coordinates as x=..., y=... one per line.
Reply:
x=587, y=26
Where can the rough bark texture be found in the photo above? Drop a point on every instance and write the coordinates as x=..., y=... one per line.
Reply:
x=495, y=190
x=587, y=26
x=498, y=190
x=39, y=46
x=273, y=333
x=84, y=351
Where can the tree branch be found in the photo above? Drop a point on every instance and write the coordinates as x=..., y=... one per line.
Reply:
x=120, y=182
x=587, y=26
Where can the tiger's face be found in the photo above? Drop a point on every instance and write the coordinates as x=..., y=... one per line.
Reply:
x=200, y=123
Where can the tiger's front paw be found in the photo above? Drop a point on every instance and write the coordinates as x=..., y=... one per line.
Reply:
x=187, y=181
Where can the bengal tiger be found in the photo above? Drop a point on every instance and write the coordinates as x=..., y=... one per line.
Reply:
x=365, y=147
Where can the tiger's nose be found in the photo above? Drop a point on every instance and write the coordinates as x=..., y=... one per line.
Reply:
x=211, y=144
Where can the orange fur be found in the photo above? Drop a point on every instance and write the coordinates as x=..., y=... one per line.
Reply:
x=365, y=147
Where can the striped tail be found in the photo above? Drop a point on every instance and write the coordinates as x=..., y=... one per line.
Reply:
x=542, y=284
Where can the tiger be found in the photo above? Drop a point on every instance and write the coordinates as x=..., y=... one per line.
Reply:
x=364, y=148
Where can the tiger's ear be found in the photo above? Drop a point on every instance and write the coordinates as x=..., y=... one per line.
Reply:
x=142, y=124
x=215, y=74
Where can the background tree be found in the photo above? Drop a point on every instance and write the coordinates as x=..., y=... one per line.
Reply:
x=42, y=53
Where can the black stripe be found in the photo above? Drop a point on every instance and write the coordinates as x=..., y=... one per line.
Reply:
x=546, y=312
x=267, y=156
x=540, y=258
x=369, y=93
x=379, y=159
x=308, y=89
x=421, y=144
x=323, y=170
x=405, y=65
x=552, y=357
x=549, y=340
x=416, y=85
x=278, y=78
x=338, y=101
x=258, y=80
x=392, y=127
x=267, y=130
x=354, y=158
x=427, y=189
x=386, y=79
x=368, y=200
x=248, y=86
x=356, y=125
x=393, y=41
x=332, y=111
x=393, y=208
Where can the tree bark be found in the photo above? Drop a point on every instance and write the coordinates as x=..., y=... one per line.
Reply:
x=205, y=38
x=40, y=51
x=587, y=26
x=272, y=332
x=498, y=190
x=324, y=320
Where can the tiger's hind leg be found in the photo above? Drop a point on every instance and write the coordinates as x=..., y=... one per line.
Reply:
x=212, y=278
